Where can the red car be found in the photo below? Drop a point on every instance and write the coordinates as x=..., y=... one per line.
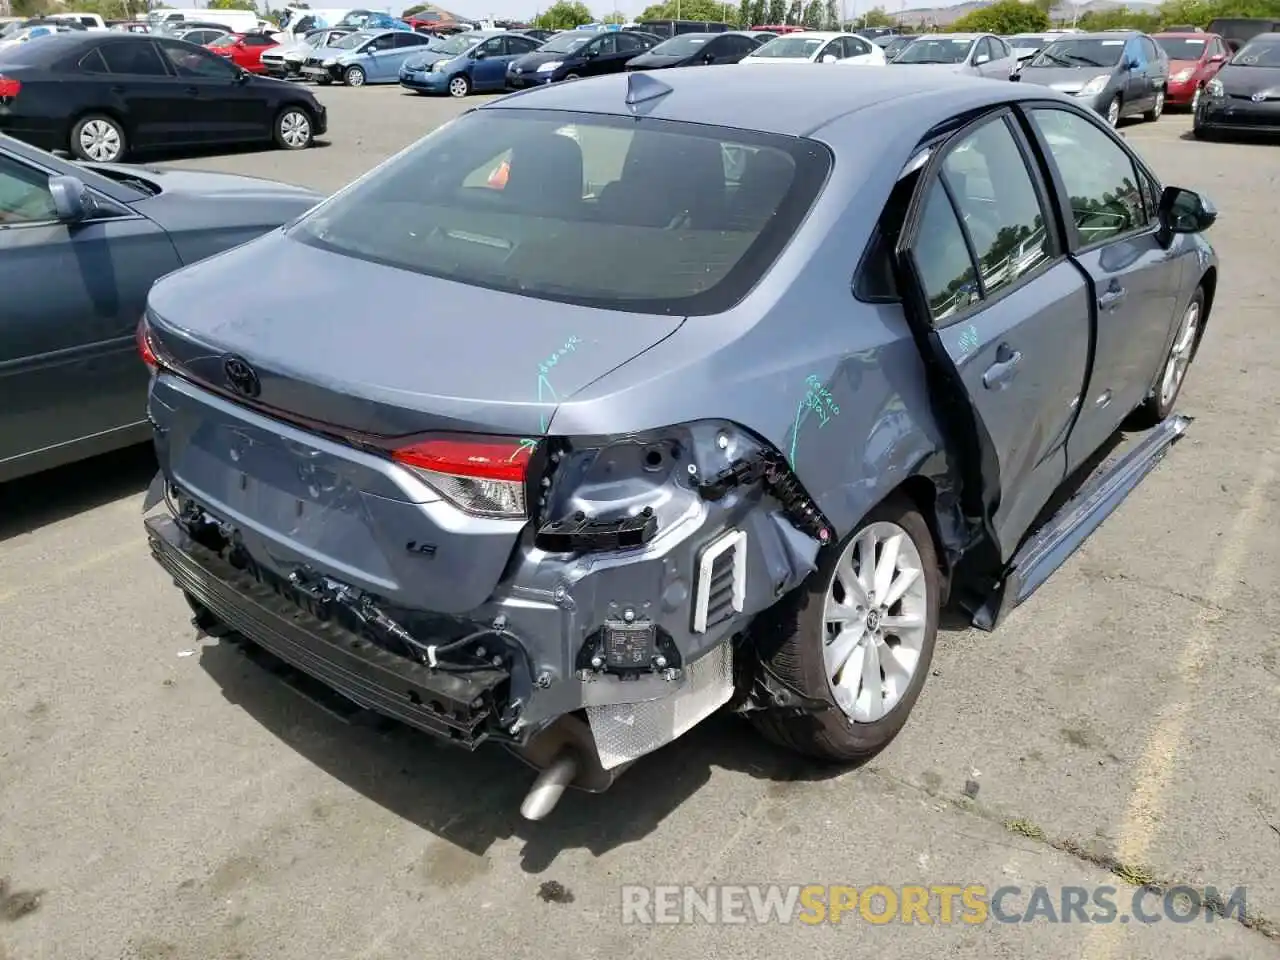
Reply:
x=1194, y=58
x=243, y=49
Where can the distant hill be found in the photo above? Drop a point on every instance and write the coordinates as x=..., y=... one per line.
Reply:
x=945, y=16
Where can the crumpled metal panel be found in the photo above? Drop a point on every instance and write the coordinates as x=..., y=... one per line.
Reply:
x=626, y=731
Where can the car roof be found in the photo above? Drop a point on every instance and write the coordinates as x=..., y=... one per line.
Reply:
x=1185, y=35
x=788, y=99
x=1264, y=36
x=1102, y=35
x=817, y=34
x=950, y=36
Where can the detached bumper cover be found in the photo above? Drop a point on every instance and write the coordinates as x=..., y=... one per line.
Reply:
x=454, y=707
x=1239, y=113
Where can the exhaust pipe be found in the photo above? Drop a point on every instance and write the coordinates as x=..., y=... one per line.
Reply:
x=550, y=786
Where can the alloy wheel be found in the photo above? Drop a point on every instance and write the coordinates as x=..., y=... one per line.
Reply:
x=355, y=77
x=458, y=87
x=1175, y=368
x=295, y=128
x=1159, y=107
x=1113, y=112
x=1195, y=100
x=875, y=618
x=100, y=140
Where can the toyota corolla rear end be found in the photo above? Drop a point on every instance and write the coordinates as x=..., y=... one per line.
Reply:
x=368, y=480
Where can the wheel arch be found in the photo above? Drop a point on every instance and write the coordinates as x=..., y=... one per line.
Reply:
x=1209, y=284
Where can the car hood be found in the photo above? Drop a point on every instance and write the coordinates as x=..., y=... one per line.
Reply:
x=1176, y=65
x=1065, y=79
x=1250, y=80
x=657, y=60
x=203, y=211
x=750, y=59
x=935, y=68
x=537, y=58
x=386, y=351
x=430, y=58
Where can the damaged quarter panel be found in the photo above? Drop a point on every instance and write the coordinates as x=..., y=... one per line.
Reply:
x=835, y=385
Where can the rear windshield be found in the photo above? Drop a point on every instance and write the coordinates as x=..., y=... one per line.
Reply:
x=1182, y=48
x=640, y=215
x=949, y=50
x=680, y=46
x=1080, y=53
x=1258, y=53
x=566, y=42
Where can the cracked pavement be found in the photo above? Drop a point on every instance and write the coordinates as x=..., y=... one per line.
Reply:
x=164, y=797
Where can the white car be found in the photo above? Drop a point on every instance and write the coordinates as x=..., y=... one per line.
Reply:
x=816, y=47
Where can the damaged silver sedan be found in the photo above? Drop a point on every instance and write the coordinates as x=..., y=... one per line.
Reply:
x=613, y=404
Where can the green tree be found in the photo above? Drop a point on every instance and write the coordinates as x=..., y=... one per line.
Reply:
x=831, y=16
x=875, y=17
x=794, y=11
x=232, y=5
x=1120, y=18
x=564, y=15
x=1003, y=17
x=687, y=10
x=777, y=12
x=614, y=17
x=759, y=13
x=745, y=9
x=811, y=18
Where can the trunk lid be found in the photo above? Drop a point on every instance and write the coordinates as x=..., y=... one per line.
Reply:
x=382, y=351
x=351, y=346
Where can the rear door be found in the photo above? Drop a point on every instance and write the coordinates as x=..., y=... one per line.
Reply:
x=1134, y=279
x=159, y=109
x=1005, y=312
x=69, y=370
x=403, y=45
x=856, y=49
x=1137, y=88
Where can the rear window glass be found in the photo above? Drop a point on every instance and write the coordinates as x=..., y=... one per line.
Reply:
x=641, y=215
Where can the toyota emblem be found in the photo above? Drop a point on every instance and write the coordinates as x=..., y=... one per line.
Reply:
x=241, y=376
x=1258, y=97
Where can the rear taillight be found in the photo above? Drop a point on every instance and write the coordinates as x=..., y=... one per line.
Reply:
x=146, y=347
x=484, y=476
x=9, y=87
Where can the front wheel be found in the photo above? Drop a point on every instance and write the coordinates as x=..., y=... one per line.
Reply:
x=353, y=77
x=1113, y=111
x=1174, y=370
x=861, y=633
x=459, y=86
x=293, y=129
x=1195, y=98
x=98, y=138
x=1157, y=108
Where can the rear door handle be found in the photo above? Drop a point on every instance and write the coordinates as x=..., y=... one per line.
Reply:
x=998, y=375
x=117, y=89
x=1112, y=297
x=194, y=91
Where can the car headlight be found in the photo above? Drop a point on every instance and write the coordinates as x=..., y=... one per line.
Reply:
x=1214, y=87
x=549, y=66
x=1182, y=76
x=440, y=66
x=331, y=62
x=1094, y=86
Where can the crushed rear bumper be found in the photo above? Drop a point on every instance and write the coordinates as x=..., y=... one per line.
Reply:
x=459, y=708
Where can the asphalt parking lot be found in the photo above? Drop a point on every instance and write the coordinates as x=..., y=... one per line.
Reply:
x=164, y=798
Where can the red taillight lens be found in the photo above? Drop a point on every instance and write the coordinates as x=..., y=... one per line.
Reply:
x=480, y=475
x=9, y=87
x=145, y=348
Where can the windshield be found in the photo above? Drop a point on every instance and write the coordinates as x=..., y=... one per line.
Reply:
x=935, y=51
x=679, y=46
x=565, y=43
x=1265, y=53
x=661, y=217
x=793, y=48
x=454, y=45
x=1182, y=48
x=350, y=41
x=1080, y=53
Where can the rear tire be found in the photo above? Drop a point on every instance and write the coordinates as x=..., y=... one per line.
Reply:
x=815, y=628
x=1177, y=362
x=354, y=77
x=98, y=138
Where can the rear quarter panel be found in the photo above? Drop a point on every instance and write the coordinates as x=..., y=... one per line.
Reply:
x=835, y=385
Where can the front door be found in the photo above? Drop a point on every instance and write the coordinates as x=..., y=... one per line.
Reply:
x=1135, y=280
x=490, y=67
x=1138, y=95
x=73, y=294
x=602, y=57
x=225, y=108
x=1007, y=316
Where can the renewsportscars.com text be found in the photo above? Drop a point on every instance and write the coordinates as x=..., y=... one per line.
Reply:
x=944, y=904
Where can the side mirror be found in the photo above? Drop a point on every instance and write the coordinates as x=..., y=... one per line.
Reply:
x=1132, y=64
x=980, y=59
x=592, y=53
x=1217, y=58
x=828, y=58
x=242, y=75
x=478, y=55
x=1185, y=211
x=72, y=201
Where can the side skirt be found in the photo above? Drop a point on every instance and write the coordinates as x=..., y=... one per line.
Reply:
x=1059, y=538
